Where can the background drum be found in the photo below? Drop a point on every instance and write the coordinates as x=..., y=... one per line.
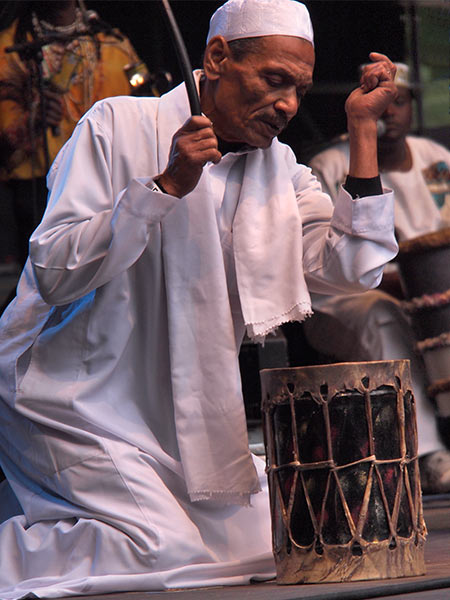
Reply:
x=341, y=452
x=424, y=264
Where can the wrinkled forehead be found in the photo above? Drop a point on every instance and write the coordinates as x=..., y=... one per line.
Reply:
x=285, y=48
x=287, y=57
x=237, y=19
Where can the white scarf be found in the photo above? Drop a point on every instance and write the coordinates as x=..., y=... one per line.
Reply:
x=267, y=240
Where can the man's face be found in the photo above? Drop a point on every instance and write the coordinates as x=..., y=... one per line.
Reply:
x=256, y=97
x=398, y=116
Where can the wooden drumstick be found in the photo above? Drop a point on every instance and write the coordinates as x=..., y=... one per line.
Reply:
x=183, y=59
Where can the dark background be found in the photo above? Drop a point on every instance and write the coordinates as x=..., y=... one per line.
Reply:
x=345, y=32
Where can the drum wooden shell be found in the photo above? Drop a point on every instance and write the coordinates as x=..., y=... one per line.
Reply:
x=424, y=264
x=341, y=454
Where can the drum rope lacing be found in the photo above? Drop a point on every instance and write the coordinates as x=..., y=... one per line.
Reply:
x=438, y=387
x=404, y=462
x=426, y=301
x=330, y=464
x=440, y=341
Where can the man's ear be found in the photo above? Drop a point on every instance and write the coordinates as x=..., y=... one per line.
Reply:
x=216, y=55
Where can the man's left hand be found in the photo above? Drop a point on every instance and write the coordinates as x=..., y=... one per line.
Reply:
x=376, y=91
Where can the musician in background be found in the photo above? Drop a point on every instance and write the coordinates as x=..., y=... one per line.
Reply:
x=92, y=61
x=373, y=325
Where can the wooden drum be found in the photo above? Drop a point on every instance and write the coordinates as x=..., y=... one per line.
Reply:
x=424, y=264
x=341, y=452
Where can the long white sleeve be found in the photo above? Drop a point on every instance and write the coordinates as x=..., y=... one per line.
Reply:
x=345, y=247
x=92, y=231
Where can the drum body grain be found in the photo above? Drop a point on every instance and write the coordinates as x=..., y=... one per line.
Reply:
x=341, y=452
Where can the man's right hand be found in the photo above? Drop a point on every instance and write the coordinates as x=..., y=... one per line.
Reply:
x=193, y=145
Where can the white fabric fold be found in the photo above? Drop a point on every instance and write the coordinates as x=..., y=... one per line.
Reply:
x=268, y=251
x=209, y=409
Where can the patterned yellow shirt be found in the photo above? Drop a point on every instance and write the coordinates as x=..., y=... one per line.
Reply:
x=84, y=71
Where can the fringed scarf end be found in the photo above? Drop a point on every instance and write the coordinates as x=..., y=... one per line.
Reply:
x=226, y=498
x=257, y=332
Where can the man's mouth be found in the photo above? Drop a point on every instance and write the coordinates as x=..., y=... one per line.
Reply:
x=275, y=127
x=390, y=125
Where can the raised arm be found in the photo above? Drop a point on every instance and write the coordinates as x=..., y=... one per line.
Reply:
x=364, y=107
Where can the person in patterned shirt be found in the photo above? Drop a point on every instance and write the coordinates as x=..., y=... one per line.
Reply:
x=85, y=66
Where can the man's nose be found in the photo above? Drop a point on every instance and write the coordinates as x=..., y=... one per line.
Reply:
x=389, y=110
x=288, y=102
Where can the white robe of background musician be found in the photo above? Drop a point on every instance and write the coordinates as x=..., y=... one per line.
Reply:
x=89, y=442
x=373, y=326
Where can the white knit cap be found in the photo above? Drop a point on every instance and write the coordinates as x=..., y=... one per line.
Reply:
x=255, y=18
x=402, y=75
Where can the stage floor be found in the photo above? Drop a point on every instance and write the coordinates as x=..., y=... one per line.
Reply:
x=435, y=585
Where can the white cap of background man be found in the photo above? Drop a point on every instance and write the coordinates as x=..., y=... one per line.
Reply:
x=238, y=19
x=402, y=77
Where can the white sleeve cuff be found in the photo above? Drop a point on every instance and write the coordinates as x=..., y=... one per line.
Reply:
x=359, y=215
x=146, y=203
